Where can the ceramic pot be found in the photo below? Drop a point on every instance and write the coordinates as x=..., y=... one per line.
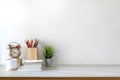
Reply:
x=48, y=62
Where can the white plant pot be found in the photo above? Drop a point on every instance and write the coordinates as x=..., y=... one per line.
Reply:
x=48, y=62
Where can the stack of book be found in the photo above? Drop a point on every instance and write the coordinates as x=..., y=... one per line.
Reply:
x=32, y=65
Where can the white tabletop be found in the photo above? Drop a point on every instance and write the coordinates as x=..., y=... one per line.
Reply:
x=67, y=71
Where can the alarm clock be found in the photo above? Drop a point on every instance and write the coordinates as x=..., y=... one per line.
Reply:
x=14, y=50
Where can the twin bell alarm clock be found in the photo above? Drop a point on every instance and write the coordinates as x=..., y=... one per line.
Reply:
x=14, y=50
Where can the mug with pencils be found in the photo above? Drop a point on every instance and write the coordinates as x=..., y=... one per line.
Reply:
x=32, y=50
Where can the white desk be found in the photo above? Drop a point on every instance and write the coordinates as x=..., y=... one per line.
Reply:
x=67, y=71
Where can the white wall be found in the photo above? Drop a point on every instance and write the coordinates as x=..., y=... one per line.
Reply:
x=82, y=31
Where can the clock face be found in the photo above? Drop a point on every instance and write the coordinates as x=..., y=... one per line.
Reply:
x=15, y=52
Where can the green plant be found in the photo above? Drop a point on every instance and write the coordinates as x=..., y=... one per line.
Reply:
x=49, y=51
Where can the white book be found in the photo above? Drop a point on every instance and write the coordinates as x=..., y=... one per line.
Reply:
x=32, y=64
x=33, y=61
x=30, y=69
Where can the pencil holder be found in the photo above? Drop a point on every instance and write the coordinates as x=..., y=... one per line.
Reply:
x=32, y=54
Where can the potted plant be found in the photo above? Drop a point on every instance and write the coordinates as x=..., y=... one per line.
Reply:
x=48, y=53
